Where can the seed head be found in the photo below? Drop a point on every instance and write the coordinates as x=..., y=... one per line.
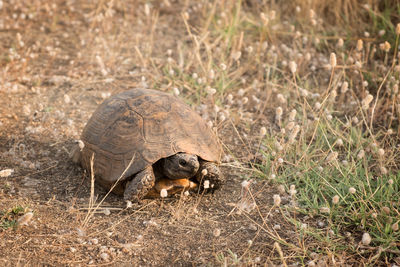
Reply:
x=293, y=66
x=211, y=91
x=332, y=60
x=204, y=172
x=292, y=115
x=67, y=99
x=163, y=193
x=147, y=9
x=277, y=227
x=236, y=56
x=390, y=181
x=264, y=18
x=359, y=45
x=290, y=125
x=211, y=74
x=335, y=199
x=281, y=98
x=366, y=101
x=186, y=15
x=277, y=200
x=325, y=210
x=340, y=43
x=278, y=113
x=366, y=239
x=312, y=14
x=292, y=190
x=395, y=226
x=176, y=91
x=294, y=133
x=245, y=184
x=352, y=190
x=386, y=46
x=381, y=152
x=222, y=66
x=339, y=142
x=386, y=210
x=344, y=88
x=332, y=156
x=263, y=131
x=383, y=169
x=398, y=29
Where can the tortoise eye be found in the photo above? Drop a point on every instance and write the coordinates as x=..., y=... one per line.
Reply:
x=182, y=162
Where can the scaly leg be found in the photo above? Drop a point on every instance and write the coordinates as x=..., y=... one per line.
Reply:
x=137, y=188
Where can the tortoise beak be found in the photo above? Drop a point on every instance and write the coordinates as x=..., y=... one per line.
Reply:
x=195, y=163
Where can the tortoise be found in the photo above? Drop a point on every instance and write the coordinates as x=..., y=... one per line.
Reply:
x=162, y=136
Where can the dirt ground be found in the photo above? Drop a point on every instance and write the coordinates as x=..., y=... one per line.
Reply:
x=50, y=83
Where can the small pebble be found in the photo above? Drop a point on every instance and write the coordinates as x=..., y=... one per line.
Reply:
x=217, y=232
x=106, y=212
x=6, y=172
x=104, y=256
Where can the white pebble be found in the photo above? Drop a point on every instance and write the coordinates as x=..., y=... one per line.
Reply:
x=106, y=212
x=104, y=256
x=206, y=184
x=6, y=172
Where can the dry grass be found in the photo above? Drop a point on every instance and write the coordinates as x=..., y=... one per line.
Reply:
x=304, y=97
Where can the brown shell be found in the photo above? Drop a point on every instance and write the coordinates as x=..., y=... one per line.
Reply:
x=147, y=125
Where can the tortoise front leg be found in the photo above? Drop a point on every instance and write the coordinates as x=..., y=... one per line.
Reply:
x=211, y=172
x=137, y=188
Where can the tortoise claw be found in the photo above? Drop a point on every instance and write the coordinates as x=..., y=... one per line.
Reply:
x=137, y=188
x=210, y=172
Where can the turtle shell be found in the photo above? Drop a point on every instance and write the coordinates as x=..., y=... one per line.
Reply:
x=145, y=125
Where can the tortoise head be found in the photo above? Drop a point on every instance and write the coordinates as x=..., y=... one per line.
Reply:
x=180, y=166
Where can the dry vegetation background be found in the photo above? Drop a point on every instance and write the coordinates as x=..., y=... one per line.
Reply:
x=304, y=95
